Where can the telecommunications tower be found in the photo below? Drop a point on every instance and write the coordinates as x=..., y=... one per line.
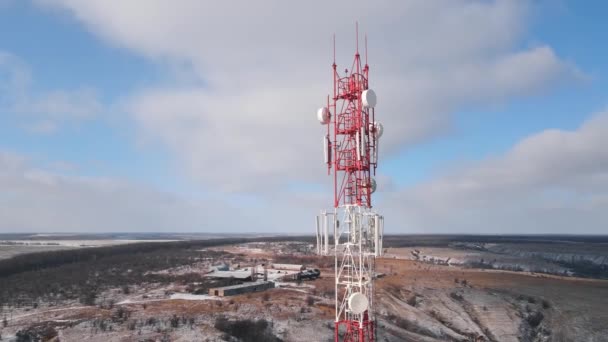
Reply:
x=351, y=152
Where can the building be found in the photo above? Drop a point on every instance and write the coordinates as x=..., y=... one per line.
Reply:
x=288, y=267
x=244, y=275
x=240, y=289
x=220, y=267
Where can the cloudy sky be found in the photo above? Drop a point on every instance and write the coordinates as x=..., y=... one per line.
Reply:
x=199, y=116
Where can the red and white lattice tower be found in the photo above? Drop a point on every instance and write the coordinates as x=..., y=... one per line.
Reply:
x=351, y=152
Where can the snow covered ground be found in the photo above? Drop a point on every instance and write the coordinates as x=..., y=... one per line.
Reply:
x=75, y=243
x=188, y=296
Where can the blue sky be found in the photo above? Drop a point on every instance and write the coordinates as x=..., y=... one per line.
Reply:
x=61, y=55
x=141, y=91
x=574, y=31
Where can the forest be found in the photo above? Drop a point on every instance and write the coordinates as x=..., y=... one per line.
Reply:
x=83, y=273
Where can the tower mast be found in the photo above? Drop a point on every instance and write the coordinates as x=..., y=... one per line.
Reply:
x=351, y=153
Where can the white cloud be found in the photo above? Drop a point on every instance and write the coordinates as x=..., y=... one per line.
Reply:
x=265, y=68
x=554, y=181
x=41, y=112
x=243, y=121
x=36, y=199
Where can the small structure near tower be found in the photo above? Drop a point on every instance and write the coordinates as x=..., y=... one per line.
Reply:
x=234, y=290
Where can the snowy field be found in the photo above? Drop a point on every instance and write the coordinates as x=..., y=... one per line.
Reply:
x=10, y=248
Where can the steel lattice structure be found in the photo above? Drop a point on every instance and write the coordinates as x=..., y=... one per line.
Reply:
x=351, y=152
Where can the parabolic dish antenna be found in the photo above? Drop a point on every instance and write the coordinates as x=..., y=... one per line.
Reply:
x=369, y=98
x=323, y=115
x=358, y=303
x=374, y=185
x=379, y=129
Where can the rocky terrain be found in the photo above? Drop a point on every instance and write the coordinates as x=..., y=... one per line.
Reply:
x=446, y=303
x=557, y=258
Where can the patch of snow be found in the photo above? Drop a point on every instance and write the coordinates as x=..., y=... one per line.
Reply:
x=188, y=296
x=81, y=243
x=293, y=285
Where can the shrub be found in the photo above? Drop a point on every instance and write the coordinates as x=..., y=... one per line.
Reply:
x=88, y=296
x=120, y=315
x=456, y=295
x=412, y=301
x=36, y=333
x=151, y=321
x=247, y=330
x=535, y=318
x=174, y=321
x=103, y=325
x=131, y=325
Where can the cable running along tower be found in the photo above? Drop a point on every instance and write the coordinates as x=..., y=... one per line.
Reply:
x=351, y=154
